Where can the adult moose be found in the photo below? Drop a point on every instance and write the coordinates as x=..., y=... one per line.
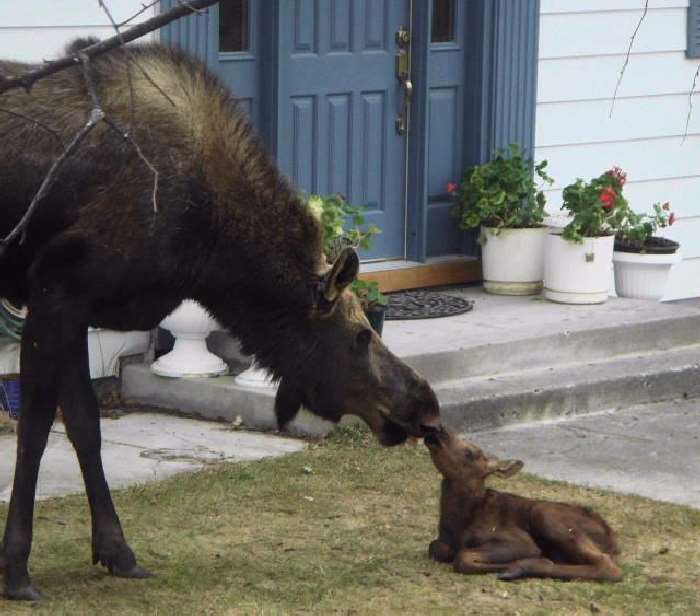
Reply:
x=230, y=232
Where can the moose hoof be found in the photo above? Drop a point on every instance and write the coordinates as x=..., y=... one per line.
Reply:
x=136, y=572
x=22, y=593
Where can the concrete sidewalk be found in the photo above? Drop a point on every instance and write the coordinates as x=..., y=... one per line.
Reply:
x=141, y=447
x=651, y=450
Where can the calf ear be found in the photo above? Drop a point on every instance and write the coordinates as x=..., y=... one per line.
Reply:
x=504, y=468
x=287, y=404
x=343, y=272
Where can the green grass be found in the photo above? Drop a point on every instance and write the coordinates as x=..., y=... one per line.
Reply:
x=340, y=528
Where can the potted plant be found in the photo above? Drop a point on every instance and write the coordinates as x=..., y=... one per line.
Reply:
x=502, y=198
x=578, y=259
x=641, y=259
x=373, y=302
x=335, y=212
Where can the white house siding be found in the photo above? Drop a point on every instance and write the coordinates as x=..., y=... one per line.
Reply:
x=582, y=49
x=36, y=30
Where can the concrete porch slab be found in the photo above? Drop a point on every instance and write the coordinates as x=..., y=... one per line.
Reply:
x=143, y=447
x=505, y=334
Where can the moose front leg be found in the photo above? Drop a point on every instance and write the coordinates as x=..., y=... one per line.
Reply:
x=38, y=392
x=82, y=419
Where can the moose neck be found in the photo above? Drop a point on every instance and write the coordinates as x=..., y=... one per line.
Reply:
x=458, y=495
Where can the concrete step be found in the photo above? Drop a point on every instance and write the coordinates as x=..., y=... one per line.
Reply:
x=483, y=403
x=506, y=334
x=510, y=359
x=471, y=404
x=217, y=399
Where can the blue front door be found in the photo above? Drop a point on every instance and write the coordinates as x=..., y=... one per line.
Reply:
x=338, y=101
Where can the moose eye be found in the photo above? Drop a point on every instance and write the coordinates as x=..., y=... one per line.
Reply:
x=363, y=338
x=469, y=454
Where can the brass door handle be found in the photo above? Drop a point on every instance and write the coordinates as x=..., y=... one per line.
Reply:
x=408, y=88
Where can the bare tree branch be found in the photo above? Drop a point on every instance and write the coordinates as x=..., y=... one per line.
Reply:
x=690, y=103
x=627, y=56
x=27, y=80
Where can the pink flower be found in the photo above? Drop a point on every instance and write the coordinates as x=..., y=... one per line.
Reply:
x=451, y=187
x=607, y=197
x=671, y=218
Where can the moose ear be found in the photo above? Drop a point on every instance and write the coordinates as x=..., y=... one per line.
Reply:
x=287, y=404
x=504, y=468
x=343, y=272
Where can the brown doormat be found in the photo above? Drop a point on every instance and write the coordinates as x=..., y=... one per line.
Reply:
x=407, y=305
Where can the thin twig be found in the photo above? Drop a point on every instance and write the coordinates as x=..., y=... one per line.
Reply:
x=144, y=8
x=36, y=122
x=690, y=103
x=127, y=137
x=95, y=117
x=126, y=133
x=129, y=58
x=27, y=80
x=194, y=10
x=627, y=56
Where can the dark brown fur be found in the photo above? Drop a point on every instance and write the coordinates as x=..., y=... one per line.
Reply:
x=230, y=232
x=484, y=530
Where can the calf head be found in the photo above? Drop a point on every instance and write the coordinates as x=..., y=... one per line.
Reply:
x=462, y=462
x=348, y=370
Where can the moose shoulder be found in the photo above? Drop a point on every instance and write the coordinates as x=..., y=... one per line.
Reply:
x=229, y=232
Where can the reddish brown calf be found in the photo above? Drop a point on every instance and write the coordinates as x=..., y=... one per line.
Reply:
x=485, y=531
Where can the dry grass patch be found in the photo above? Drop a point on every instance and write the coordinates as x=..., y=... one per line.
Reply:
x=340, y=528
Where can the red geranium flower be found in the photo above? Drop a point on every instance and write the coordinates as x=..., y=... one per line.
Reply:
x=607, y=197
x=451, y=187
x=671, y=218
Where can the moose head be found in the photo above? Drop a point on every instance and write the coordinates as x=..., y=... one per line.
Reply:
x=350, y=371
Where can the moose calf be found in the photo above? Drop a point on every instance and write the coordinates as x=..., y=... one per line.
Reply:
x=484, y=531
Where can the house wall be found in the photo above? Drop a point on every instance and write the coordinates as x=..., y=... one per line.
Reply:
x=581, y=52
x=37, y=30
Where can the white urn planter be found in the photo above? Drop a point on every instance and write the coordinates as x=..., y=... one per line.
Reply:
x=578, y=273
x=642, y=275
x=255, y=377
x=190, y=325
x=513, y=260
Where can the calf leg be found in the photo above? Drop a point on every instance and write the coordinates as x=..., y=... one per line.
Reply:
x=588, y=562
x=38, y=391
x=81, y=417
x=496, y=555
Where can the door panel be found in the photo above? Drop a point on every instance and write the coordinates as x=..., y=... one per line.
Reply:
x=338, y=98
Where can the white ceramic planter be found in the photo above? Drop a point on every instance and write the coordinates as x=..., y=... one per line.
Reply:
x=577, y=273
x=513, y=260
x=255, y=377
x=190, y=325
x=642, y=275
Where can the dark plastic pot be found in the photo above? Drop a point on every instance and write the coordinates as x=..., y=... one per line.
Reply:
x=375, y=316
x=653, y=246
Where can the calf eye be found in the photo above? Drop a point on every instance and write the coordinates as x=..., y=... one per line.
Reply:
x=364, y=337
